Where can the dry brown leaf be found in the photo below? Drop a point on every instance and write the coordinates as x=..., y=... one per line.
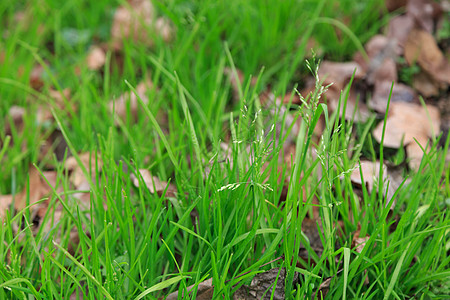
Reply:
x=205, y=291
x=353, y=100
x=359, y=243
x=338, y=73
x=370, y=171
x=399, y=28
x=237, y=82
x=408, y=122
x=137, y=21
x=5, y=203
x=120, y=104
x=154, y=184
x=96, y=58
x=382, y=53
x=424, y=12
x=262, y=284
x=36, y=80
x=392, y=5
x=15, y=116
x=38, y=188
x=90, y=162
x=425, y=85
x=422, y=48
x=400, y=93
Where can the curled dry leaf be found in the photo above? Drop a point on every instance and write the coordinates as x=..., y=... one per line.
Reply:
x=5, y=202
x=370, y=172
x=421, y=47
x=15, y=118
x=205, y=291
x=425, y=85
x=119, y=105
x=36, y=77
x=424, y=12
x=38, y=189
x=339, y=75
x=154, y=184
x=90, y=162
x=137, y=21
x=399, y=28
x=96, y=58
x=400, y=93
x=61, y=99
x=237, y=80
x=262, y=284
x=407, y=122
x=392, y=5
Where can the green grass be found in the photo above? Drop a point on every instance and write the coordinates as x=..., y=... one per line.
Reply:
x=137, y=245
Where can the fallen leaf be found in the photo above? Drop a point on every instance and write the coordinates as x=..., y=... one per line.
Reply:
x=119, y=105
x=421, y=47
x=61, y=99
x=353, y=102
x=425, y=85
x=400, y=93
x=154, y=184
x=205, y=291
x=5, y=203
x=237, y=80
x=392, y=5
x=370, y=172
x=96, y=58
x=36, y=77
x=91, y=163
x=38, y=189
x=137, y=21
x=424, y=12
x=262, y=284
x=15, y=118
x=399, y=28
x=339, y=74
x=407, y=122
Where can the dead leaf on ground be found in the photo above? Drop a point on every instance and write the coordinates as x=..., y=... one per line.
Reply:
x=61, y=100
x=370, y=171
x=154, y=184
x=339, y=73
x=237, y=80
x=262, y=284
x=205, y=291
x=407, y=122
x=392, y=5
x=36, y=77
x=400, y=93
x=399, y=28
x=15, y=118
x=137, y=21
x=91, y=163
x=96, y=58
x=424, y=12
x=5, y=202
x=119, y=105
x=425, y=85
x=421, y=47
x=38, y=188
